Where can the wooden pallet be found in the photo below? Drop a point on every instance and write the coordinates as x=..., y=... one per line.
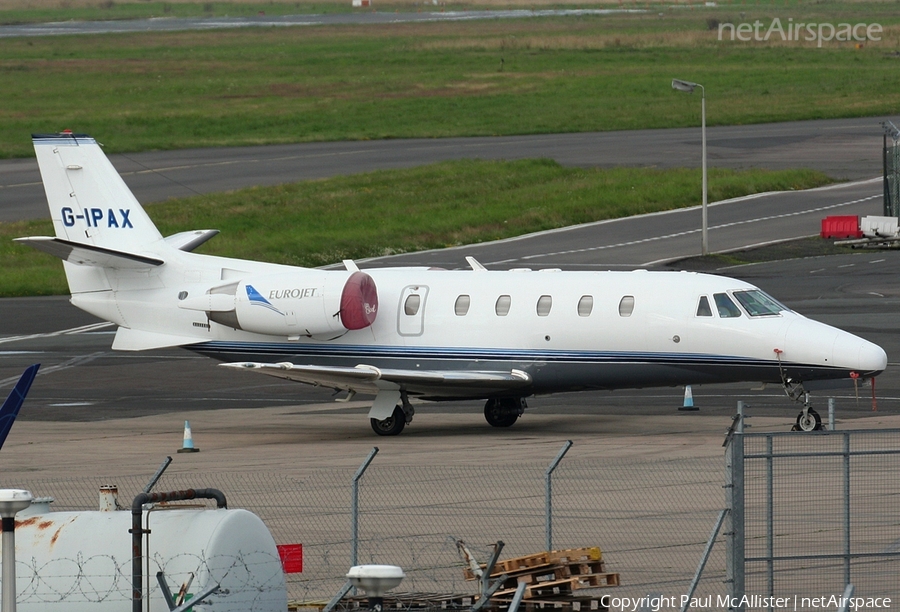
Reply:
x=537, y=561
x=561, y=588
x=570, y=604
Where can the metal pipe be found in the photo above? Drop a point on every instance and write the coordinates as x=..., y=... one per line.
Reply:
x=159, y=472
x=9, y=564
x=136, y=531
x=847, y=508
x=734, y=496
x=770, y=519
x=549, y=491
x=11, y=502
x=354, y=509
x=704, y=238
x=703, y=560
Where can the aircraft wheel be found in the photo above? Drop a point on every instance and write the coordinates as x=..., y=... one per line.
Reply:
x=502, y=412
x=392, y=425
x=809, y=422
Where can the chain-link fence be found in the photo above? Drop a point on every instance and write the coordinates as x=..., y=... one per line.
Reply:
x=820, y=511
x=651, y=518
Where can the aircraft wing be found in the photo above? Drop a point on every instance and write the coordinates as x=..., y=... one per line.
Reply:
x=372, y=379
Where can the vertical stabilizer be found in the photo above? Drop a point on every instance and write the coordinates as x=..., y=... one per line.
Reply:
x=10, y=409
x=89, y=202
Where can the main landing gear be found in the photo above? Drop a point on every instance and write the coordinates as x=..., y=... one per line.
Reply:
x=503, y=411
x=394, y=424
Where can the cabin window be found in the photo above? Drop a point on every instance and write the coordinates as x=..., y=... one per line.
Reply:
x=544, y=304
x=703, y=309
x=758, y=303
x=626, y=306
x=727, y=309
x=462, y=305
x=502, y=305
x=411, y=306
x=585, y=305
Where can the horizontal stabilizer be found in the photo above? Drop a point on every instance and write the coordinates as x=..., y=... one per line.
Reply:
x=137, y=340
x=188, y=241
x=89, y=255
x=365, y=377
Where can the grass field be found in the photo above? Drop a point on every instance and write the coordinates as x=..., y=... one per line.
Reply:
x=491, y=77
x=461, y=202
x=275, y=85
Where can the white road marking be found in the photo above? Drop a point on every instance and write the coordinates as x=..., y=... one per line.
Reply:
x=74, y=330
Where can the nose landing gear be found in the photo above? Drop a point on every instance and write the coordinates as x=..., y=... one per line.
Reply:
x=808, y=420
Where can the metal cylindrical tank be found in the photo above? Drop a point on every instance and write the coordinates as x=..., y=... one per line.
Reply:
x=76, y=561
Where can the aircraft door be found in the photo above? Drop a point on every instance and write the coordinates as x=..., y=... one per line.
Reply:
x=411, y=311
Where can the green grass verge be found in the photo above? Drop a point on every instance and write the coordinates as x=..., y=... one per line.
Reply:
x=276, y=85
x=461, y=202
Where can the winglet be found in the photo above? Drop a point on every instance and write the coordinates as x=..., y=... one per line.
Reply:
x=475, y=264
x=10, y=409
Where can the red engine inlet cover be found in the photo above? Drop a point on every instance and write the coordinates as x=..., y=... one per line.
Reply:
x=359, y=301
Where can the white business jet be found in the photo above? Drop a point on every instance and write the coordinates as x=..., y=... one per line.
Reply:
x=399, y=333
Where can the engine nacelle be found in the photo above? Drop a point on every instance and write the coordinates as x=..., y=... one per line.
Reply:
x=310, y=303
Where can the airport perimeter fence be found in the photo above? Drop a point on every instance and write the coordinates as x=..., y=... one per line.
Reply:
x=651, y=519
x=818, y=509
x=821, y=511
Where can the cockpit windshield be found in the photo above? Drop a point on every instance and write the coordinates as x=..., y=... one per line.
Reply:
x=759, y=303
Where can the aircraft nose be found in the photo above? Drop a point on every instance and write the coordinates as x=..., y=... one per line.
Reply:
x=858, y=354
x=872, y=358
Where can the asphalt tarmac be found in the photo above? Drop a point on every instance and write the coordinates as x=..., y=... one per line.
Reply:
x=83, y=380
x=842, y=148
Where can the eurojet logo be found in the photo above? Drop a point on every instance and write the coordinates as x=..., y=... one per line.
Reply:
x=98, y=217
x=256, y=299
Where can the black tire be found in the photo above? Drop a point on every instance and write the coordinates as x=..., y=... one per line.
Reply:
x=502, y=412
x=390, y=426
x=813, y=422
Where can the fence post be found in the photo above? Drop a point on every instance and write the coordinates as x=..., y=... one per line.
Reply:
x=549, y=491
x=846, y=507
x=770, y=520
x=734, y=503
x=354, y=506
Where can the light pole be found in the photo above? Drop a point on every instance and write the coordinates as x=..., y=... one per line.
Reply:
x=11, y=501
x=689, y=87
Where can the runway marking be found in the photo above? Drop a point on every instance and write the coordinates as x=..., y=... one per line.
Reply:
x=65, y=365
x=71, y=331
x=877, y=261
x=693, y=231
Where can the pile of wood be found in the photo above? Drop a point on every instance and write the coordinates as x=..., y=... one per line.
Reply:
x=551, y=576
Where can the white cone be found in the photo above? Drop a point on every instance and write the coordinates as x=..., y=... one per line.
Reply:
x=688, y=399
x=188, y=444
